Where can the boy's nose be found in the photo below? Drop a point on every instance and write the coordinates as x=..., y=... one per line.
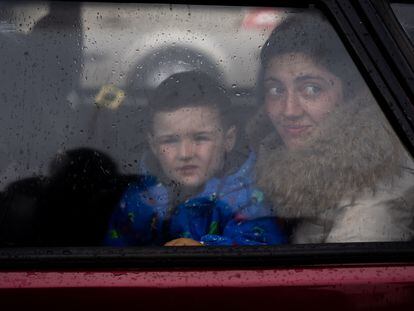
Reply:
x=186, y=150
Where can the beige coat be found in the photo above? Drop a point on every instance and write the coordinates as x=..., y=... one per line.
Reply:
x=387, y=215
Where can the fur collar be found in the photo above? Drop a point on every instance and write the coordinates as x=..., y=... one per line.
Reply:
x=354, y=151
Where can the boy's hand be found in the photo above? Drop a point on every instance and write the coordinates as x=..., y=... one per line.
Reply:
x=183, y=242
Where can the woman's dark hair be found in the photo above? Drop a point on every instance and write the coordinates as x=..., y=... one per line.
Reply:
x=311, y=34
x=190, y=89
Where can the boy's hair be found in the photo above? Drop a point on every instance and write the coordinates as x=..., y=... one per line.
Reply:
x=190, y=89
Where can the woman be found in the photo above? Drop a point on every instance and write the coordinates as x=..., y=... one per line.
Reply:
x=333, y=163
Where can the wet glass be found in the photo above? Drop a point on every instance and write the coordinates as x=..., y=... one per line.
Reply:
x=146, y=125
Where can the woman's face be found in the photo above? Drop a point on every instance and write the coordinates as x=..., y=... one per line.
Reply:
x=299, y=94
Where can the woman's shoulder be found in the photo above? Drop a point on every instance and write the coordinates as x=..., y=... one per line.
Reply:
x=383, y=215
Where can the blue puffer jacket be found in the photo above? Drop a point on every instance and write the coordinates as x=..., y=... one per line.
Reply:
x=230, y=211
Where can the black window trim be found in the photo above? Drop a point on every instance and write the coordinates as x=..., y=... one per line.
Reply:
x=388, y=253
x=364, y=36
x=369, y=46
x=387, y=13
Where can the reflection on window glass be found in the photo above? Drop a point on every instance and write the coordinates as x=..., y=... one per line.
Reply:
x=405, y=15
x=177, y=125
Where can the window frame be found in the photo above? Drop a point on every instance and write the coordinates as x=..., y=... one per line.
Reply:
x=367, y=33
x=43, y=258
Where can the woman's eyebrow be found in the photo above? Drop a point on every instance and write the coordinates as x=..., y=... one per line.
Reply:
x=271, y=79
x=309, y=77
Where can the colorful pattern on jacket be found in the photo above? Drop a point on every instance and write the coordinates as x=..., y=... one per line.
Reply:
x=230, y=211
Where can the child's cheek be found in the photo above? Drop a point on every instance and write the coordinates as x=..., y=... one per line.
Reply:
x=212, y=159
x=167, y=158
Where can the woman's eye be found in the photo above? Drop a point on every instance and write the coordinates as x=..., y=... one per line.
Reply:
x=312, y=90
x=275, y=91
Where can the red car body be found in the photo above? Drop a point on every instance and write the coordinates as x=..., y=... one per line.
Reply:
x=316, y=288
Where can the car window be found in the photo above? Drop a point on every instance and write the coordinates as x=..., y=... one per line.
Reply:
x=159, y=124
x=404, y=13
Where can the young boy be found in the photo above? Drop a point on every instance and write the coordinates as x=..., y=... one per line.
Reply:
x=188, y=193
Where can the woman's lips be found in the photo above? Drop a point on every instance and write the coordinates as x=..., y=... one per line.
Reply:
x=296, y=130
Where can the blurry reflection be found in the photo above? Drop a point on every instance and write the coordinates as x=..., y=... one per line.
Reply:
x=70, y=208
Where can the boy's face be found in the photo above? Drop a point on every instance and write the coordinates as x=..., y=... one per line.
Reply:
x=190, y=144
